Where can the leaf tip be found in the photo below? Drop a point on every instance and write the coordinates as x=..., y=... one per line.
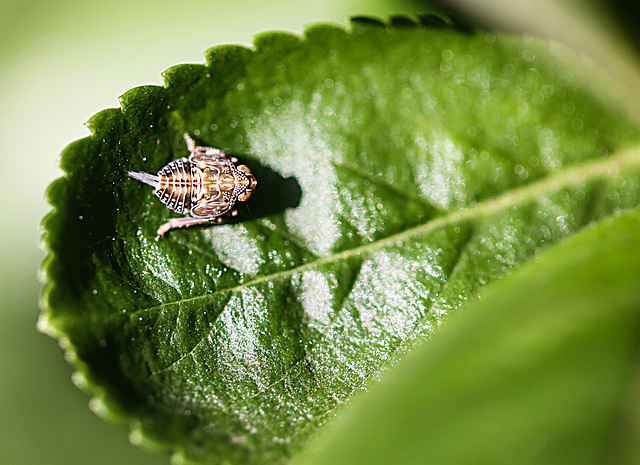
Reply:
x=360, y=22
x=43, y=326
x=403, y=21
x=227, y=55
x=141, y=107
x=182, y=75
x=102, y=119
x=323, y=31
x=275, y=41
x=139, y=437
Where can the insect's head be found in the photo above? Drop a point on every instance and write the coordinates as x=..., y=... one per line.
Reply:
x=249, y=185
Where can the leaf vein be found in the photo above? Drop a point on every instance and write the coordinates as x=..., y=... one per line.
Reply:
x=575, y=175
x=197, y=344
x=379, y=181
x=307, y=356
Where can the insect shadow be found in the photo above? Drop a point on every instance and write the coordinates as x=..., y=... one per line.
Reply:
x=273, y=195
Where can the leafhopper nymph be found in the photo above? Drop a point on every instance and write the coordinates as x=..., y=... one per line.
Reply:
x=206, y=185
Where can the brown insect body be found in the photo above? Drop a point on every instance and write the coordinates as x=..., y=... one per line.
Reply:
x=206, y=185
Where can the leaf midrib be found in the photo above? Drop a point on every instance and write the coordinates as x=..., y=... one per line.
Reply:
x=571, y=176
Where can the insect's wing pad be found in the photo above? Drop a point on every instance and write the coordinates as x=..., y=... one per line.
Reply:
x=206, y=158
x=216, y=207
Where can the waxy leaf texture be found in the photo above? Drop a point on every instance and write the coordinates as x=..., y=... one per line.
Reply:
x=548, y=353
x=400, y=169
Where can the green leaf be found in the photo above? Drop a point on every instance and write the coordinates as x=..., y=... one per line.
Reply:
x=400, y=169
x=543, y=369
x=607, y=31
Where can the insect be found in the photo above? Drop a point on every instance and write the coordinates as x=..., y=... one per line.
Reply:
x=206, y=185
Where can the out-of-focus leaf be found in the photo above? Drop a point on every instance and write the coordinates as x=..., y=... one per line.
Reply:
x=400, y=168
x=543, y=369
x=605, y=30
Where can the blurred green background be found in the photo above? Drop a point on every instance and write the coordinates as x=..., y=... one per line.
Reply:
x=62, y=62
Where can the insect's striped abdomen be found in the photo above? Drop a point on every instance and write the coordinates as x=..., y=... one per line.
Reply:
x=178, y=182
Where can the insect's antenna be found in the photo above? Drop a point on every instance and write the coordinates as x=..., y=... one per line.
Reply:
x=146, y=178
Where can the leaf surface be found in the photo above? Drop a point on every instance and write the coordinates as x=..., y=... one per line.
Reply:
x=543, y=369
x=400, y=169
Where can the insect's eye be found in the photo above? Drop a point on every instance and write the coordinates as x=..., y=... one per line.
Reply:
x=246, y=196
x=252, y=182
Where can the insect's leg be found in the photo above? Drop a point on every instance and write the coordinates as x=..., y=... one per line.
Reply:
x=200, y=151
x=204, y=155
x=174, y=223
x=212, y=152
x=191, y=144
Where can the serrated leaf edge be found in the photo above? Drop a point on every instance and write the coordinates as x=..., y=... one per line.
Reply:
x=100, y=402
